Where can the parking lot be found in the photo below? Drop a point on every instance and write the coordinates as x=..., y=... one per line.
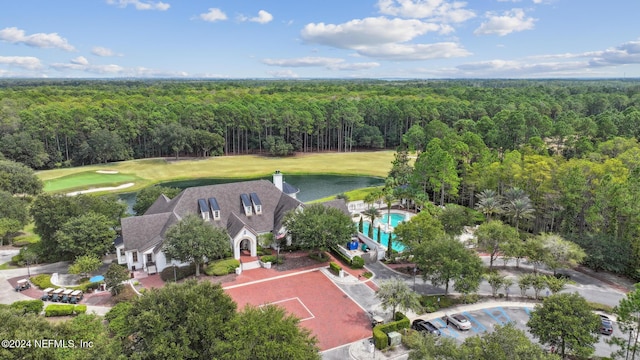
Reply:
x=485, y=320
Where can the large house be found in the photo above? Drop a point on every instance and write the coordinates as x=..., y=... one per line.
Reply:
x=245, y=209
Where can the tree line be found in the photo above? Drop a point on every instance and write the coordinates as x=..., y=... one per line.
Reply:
x=48, y=124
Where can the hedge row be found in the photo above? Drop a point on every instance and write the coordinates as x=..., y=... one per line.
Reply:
x=335, y=268
x=64, y=310
x=380, y=332
x=356, y=263
x=274, y=259
x=181, y=272
x=222, y=267
x=28, y=306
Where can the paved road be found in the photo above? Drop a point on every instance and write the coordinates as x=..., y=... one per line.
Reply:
x=591, y=288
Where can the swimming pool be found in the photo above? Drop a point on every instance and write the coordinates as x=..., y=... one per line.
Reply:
x=396, y=218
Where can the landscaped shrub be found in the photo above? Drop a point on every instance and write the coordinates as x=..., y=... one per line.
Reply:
x=402, y=321
x=319, y=257
x=28, y=306
x=380, y=338
x=222, y=267
x=17, y=260
x=274, y=259
x=80, y=309
x=600, y=307
x=42, y=281
x=85, y=287
x=58, y=310
x=340, y=256
x=335, y=268
x=431, y=304
x=357, y=262
x=181, y=272
x=126, y=294
x=367, y=274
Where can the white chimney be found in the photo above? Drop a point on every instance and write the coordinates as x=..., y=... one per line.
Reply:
x=277, y=180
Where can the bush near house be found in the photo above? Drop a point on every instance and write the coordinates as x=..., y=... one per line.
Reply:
x=181, y=272
x=28, y=306
x=273, y=259
x=357, y=262
x=222, y=267
x=80, y=309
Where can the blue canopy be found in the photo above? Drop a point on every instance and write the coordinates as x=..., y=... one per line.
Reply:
x=97, y=278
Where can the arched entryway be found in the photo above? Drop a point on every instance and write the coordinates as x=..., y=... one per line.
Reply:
x=244, y=246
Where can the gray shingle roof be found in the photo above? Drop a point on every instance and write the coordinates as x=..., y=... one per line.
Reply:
x=339, y=204
x=144, y=232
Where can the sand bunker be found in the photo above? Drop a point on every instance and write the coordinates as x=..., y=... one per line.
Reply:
x=111, y=188
x=106, y=171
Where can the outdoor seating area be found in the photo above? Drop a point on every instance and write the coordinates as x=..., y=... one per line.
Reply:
x=69, y=296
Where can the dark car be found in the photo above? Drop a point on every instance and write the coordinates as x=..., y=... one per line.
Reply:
x=606, y=328
x=425, y=326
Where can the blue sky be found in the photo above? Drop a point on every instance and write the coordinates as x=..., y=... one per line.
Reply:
x=319, y=39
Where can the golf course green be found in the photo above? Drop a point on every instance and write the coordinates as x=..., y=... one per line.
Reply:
x=143, y=173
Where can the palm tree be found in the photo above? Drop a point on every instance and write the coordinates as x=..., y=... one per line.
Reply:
x=489, y=203
x=372, y=213
x=388, y=198
x=518, y=205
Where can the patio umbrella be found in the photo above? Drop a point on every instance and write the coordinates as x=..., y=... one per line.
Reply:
x=97, y=278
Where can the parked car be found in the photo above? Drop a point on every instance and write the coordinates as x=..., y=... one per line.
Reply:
x=425, y=326
x=606, y=328
x=460, y=321
x=23, y=284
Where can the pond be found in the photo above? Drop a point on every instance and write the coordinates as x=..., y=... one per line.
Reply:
x=312, y=187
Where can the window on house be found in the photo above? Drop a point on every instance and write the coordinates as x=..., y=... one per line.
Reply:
x=149, y=258
x=135, y=256
x=216, y=215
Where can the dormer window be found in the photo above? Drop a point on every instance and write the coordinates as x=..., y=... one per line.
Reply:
x=204, y=209
x=215, y=208
x=246, y=204
x=257, y=205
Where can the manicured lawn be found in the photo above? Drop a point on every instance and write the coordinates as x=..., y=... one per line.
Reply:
x=147, y=172
x=86, y=179
x=353, y=195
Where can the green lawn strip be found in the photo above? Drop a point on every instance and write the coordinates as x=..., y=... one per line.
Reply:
x=27, y=236
x=151, y=171
x=353, y=195
x=7, y=266
x=86, y=180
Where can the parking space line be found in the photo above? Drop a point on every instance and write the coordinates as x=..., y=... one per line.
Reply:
x=527, y=310
x=501, y=318
x=477, y=329
x=444, y=329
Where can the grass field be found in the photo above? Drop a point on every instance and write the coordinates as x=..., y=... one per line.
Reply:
x=150, y=171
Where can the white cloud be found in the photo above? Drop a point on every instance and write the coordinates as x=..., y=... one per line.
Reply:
x=26, y=62
x=140, y=4
x=302, y=62
x=262, y=18
x=441, y=10
x=510, y=21
x=213, y=15
x=284, y=74
x=39, y=40
x=329, y=63
x=400, y=52
x=102, y=51
x=627, y=53
x=367, y=32
x=80, y=60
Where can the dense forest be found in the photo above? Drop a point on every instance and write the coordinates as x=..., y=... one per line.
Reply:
x=55, y=123
x=562, y=154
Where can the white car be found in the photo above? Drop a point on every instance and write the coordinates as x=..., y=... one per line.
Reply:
x=460, y=321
